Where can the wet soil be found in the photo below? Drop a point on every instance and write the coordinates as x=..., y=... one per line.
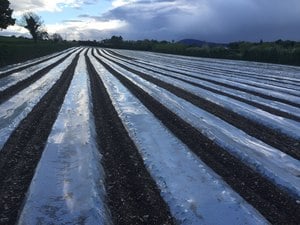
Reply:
x=132, y=195
x=5, y=74
x=21, y=153
x=268, y=135
x=9, y=92
x=184, y=79
x=274, y=204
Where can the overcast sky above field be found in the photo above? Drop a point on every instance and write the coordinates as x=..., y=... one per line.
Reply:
x=210, y=20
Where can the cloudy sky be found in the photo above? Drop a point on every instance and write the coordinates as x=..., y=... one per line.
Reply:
x=209, y=20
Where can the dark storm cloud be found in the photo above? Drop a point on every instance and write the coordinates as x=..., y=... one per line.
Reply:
x=211, y=20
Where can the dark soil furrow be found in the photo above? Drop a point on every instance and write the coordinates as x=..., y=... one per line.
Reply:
x=233, y=87
x=121, y=56
x=12, y=90
x=132, y=195
x=216, y=72
x=5, y=74
x=21, y=153
x=276, y=81
x=231, y=73
x=255, y=104
x=275, y=204
x=268, y=135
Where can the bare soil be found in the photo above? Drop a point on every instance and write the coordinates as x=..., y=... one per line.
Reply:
x=255, y=104
x=132, y=195
x=21, y=153
x=268, y=135
x=274, y=204
x=7, y=93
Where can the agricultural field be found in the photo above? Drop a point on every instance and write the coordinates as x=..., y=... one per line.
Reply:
x=101, y=136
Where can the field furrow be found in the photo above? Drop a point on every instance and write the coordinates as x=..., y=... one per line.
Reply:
x=233, y=75
x=15, y=109
x=22, y=151
x=206, y=141
x=133, y=197
x=256, y=123
x=175, y=168
x=28, y=72
x=282, y=73
x=15, y=88
x=274, y=107
x=269, y=94
x=31, y=63
x=102, y=136
x=69, y=167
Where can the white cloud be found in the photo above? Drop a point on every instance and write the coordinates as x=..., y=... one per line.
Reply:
x=210, y=20
x=15, y=30
x=119, y=3
x=21, y=6
x=83, y=29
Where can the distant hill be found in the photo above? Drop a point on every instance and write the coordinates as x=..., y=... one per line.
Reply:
x=198, y=43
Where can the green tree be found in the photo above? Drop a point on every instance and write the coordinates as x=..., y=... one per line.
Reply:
x=5, y=15
x=43, y=35
x=116, y=41
x=33, y=23
x=56, y=37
